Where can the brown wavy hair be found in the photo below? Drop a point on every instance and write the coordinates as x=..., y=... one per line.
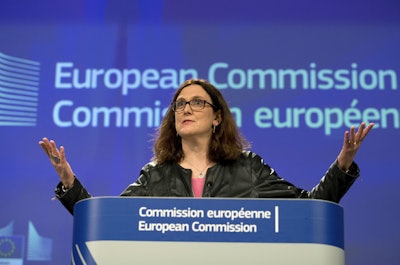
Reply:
x=227, y=143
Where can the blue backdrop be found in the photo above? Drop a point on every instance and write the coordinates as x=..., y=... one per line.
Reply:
x=96, y=76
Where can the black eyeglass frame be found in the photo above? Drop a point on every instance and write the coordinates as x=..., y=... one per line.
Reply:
x=174, y=109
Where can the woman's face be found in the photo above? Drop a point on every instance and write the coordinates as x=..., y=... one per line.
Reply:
x=189, y=122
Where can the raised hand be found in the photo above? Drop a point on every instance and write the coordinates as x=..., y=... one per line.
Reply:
x=59, y=161
x=351, y=143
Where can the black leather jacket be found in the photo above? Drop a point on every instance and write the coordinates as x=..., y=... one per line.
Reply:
x=247, y=177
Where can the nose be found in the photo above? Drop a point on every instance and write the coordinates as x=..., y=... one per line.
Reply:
x=186, y=109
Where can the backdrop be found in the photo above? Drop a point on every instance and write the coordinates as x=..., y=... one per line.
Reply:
x=97, y=76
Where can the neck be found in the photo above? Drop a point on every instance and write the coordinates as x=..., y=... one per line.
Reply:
x=196, y=156
x=195, y=151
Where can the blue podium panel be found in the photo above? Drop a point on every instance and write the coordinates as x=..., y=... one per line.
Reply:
x=143, y=230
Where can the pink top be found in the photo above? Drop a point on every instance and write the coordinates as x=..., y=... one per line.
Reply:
x=197, y=186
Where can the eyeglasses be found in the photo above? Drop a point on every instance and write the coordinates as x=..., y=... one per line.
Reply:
x=195, y=104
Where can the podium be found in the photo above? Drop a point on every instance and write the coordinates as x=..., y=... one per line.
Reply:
x=149, y=230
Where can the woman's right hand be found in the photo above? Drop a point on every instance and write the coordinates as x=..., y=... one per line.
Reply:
x=59, y=161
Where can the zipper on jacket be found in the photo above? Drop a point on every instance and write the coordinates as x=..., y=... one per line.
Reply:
x=188, y=183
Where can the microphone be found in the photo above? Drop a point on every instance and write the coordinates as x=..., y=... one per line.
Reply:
x=209, y=184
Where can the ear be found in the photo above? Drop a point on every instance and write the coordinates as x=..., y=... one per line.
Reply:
x=217, y=118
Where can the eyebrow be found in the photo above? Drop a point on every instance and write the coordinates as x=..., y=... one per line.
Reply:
x=195, y=97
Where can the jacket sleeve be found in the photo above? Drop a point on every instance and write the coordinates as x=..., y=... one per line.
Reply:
x=332, y=187
x=78, y=191
x=68, y=198
x=335, y=183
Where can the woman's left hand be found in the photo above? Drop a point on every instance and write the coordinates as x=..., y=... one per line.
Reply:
x=351, y=143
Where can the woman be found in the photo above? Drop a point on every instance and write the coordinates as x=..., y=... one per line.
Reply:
x=199, y=152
